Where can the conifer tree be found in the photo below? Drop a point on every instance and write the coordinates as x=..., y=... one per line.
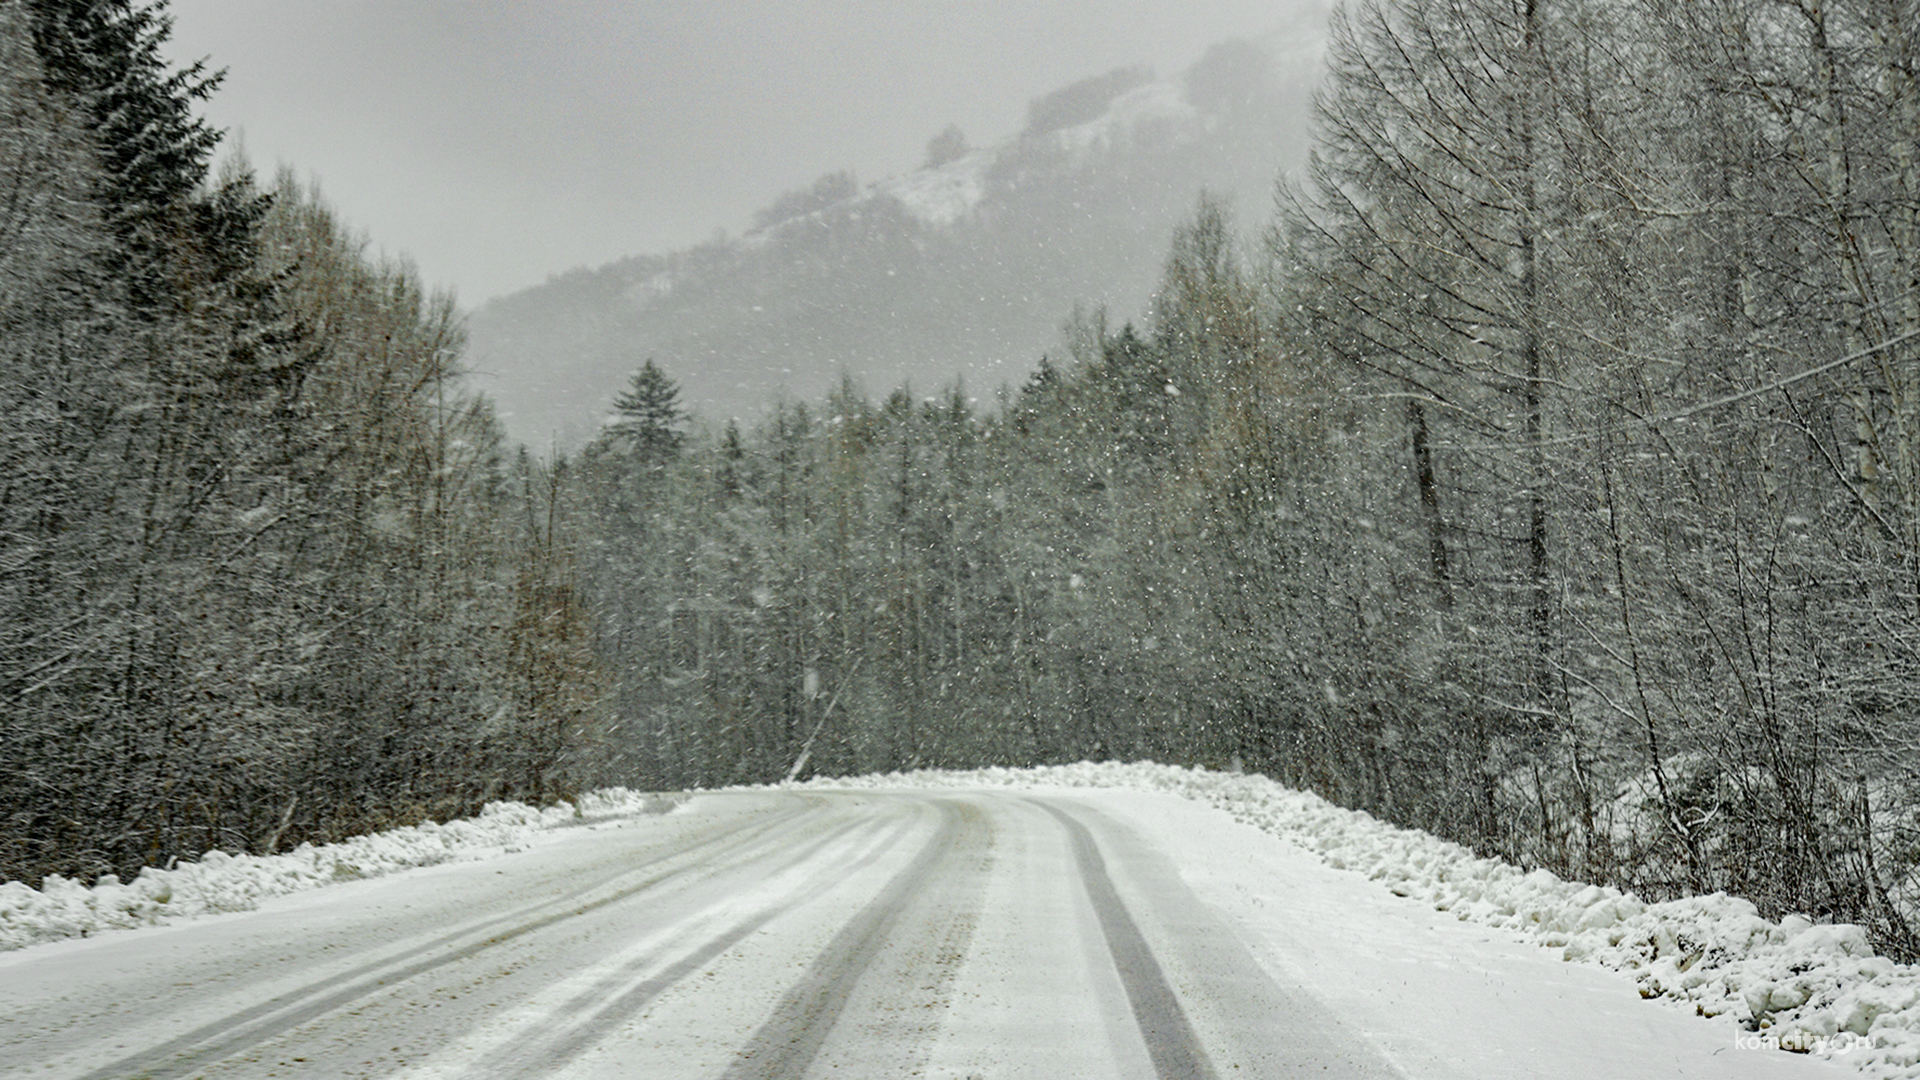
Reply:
x=648, y=415
x=152, y=146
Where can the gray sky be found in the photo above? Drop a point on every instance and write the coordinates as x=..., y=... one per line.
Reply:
x=496, y=142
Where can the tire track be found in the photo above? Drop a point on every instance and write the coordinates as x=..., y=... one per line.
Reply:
x=541, y=1057
x=787, y=1043
x=244, y=1030
x=1171, y=1042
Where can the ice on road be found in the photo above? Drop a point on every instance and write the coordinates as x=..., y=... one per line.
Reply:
x=870, y=933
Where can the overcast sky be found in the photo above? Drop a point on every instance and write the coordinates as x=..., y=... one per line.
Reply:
x=497, y=141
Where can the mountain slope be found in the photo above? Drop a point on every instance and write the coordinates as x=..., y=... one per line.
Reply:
x=965, y=268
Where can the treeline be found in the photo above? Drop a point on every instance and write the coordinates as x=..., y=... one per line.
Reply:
x=1547, y=476
x=1632, y=285
x=266, y=573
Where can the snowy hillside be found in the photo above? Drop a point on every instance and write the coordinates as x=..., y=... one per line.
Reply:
x=944, y=194
x=962, y=269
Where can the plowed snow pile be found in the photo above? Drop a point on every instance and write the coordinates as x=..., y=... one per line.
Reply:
x=221, y=882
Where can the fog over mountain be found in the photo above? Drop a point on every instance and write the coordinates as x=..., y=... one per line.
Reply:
x=965, y=268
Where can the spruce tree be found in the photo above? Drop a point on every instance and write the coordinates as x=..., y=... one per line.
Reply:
x=648, y=413
x=152, y=147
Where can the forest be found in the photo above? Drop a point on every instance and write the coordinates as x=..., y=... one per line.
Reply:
x=1545, y=473
x=266, y=574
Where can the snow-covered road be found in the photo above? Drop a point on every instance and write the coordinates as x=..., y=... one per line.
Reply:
x=870, y=933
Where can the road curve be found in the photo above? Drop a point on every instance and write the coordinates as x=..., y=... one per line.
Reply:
x=746, y=936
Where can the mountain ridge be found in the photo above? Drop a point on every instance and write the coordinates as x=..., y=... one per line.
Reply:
x=962, y=269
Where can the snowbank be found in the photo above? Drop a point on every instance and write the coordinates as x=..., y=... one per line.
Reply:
x=1796, y=985
x=221, y=882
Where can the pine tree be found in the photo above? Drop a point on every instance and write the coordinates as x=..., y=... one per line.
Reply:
x=648, y=415
x=153, y=148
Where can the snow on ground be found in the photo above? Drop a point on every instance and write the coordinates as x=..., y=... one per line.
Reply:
x=221, y=882
x=1791, y=985
x=1439, y=998
x=944, y=194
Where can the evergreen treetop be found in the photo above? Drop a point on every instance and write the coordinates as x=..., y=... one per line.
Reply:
x=648, y=413
x=106, y=55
